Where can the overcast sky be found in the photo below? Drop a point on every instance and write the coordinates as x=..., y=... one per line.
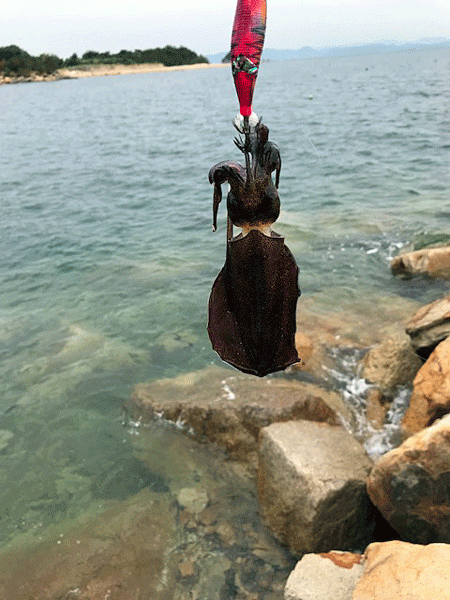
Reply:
x=65, y=26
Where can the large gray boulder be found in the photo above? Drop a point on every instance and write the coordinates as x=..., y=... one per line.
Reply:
x=331, y=576
x=311, y=487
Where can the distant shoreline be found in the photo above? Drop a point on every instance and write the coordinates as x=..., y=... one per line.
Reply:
x=103, y=70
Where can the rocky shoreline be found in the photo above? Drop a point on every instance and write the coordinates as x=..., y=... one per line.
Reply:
x=103, y=71
x=336, y=521
x=352, y=522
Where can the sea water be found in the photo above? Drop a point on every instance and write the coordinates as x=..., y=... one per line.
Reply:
x=107, y=253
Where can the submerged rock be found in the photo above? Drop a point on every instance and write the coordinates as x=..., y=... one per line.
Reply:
x=231, y=409
x=430, y=325
x=410, y=485
x=401, y=571
x=121, y=553
x=195, y=500
x=311, y=487
x=331, y=576
x=430, y=399
x=5, y=437
x=434, y=262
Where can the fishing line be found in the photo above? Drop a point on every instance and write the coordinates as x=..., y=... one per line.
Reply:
x=316, y=152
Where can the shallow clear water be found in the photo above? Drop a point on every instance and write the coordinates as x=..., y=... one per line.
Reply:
x=108, y=255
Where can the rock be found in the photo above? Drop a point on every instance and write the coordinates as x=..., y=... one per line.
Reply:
x=401, y=571
x=430, y=398
x=311, y=487
x=120, y=553
x=391, y=363
x=434, y=262
x=313, y=356
x=214, y=568
x=317, y=333
x=5, y=437
x=209, y=516
x=187, y=520
x=193, y=500
x=331, y=576
x=430, y=325
x=186, y=569
x=376, y=407
x=226, y=533
x=231, y=409
x=410, y=485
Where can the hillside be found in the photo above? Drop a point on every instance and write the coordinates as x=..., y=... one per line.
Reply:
x=309, y=52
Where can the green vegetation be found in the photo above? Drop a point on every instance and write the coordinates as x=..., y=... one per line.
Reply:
x=17, y=62
x=169, y=56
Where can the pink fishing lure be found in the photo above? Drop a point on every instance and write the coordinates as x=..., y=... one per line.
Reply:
x=247, y=42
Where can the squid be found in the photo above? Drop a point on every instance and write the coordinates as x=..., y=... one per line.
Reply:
x=252, y=305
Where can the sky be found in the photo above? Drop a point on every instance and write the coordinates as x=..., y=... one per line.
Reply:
x=63, y=27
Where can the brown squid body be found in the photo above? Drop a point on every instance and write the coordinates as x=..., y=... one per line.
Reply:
x=253, y=301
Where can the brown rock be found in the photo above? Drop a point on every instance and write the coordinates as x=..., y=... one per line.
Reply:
x=430, y=325
x=410, y=485
x=186, y=569
x=391, y=363
x=401, y=571
x=317, y=331
x=376, y=407
x=316, y=334
x=434, y=262
x=346, y=560
x=304, y=345
x=187, y=519
x=311, y=487
x=209, y=516
x=358, y=325
x=430, y=399
x=231, y=409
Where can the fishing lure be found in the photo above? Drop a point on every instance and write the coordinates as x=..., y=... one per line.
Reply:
x=247, y=41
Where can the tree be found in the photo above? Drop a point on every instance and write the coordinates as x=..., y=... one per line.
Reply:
x=15, y=61
x=89, y=55
x=47, y=63
x=8, y=52
x=73, y=61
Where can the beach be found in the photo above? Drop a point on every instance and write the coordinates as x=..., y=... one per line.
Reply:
x=103, y=70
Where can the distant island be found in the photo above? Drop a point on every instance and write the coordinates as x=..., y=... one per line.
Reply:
x=309, y=52
x=16, y=63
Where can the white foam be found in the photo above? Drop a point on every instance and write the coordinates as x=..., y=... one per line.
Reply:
x=229, y=394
